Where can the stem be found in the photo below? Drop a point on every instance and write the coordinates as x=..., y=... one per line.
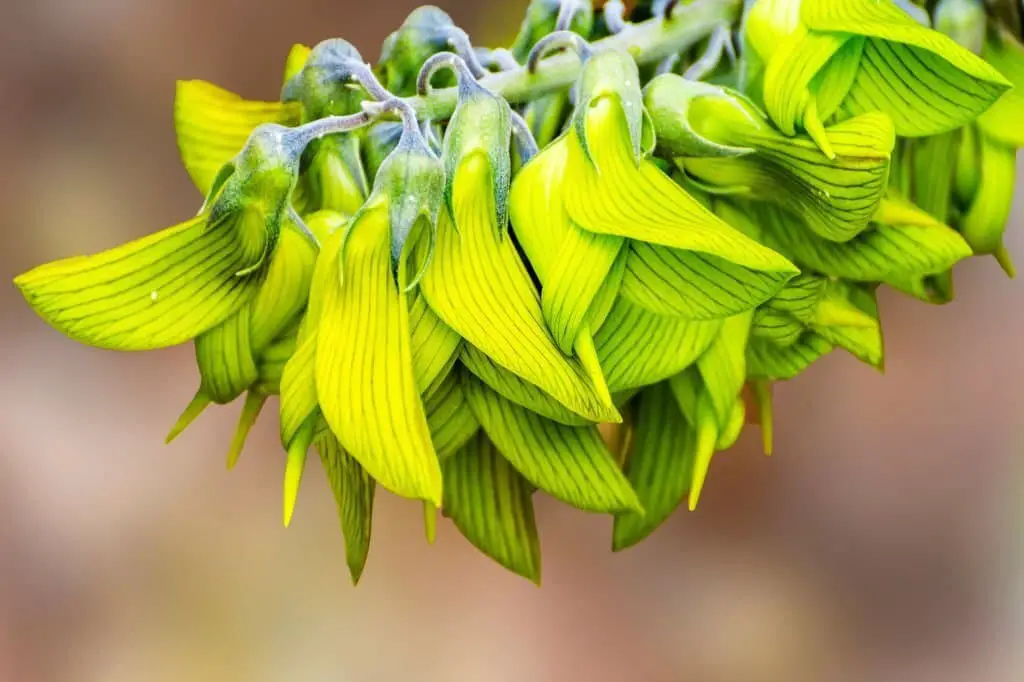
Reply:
x=648, y=42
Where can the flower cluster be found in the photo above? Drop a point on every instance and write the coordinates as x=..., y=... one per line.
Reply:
x=573, y=265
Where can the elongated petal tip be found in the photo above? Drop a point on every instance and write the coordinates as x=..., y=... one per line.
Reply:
x=294, y=468
x=199, y=403
x=816, y=131
x=250, y=413
x=430, y=522
x=707, y=436
x=1005, y=260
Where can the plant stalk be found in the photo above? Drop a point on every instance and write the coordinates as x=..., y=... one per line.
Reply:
x=648, y=42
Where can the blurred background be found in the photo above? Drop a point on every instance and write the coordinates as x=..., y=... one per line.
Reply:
x=882, y=542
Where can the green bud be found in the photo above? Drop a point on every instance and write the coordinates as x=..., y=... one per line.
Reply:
x=481, y=125
x=323, y=85
x=259, y=181
x=411, y=181
x=424, y=33
x=541, y=18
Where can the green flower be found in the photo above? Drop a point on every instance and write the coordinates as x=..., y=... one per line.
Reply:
x=575, y=213
x=172, y=286
x=813, y=60
x=724, y=143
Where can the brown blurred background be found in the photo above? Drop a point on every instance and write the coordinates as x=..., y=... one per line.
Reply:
x=881, y=543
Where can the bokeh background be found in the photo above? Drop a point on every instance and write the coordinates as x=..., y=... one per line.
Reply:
x=882, y=542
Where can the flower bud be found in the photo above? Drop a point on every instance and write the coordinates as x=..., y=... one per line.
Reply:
x=425, y=32
x=323, y=84
x=541, y=19
x=411, y=182
x=692, y=118
x=481, y=125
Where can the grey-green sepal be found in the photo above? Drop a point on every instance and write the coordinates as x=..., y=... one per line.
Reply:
x=481, y=124
x=684, y=111
x=323, y=86
x=411, y=181
x=613, y=73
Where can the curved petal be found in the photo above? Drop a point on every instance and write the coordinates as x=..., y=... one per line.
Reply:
x=518, y=390
x=908, y=243
x=637, y=348
x=435, y=345
x=452, y=423
x=695, y=286
x=616, y=196
x=353, y=493
x=492, y=506
x=364, y=368
x=1002, y=120
x=659, y=465
x=213, y=125
x=569, y=463
x=478, y=285
x=769, y=362
x=155, y=292
x=724, y=367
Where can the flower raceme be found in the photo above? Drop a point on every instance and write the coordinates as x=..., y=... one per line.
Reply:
x=465, y=319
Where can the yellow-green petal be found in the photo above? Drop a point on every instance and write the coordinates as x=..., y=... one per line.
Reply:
x=478, y=285
x=213, y=124
x=364, y=368
x=155, y=292
x=637, y=348
x=570, y=463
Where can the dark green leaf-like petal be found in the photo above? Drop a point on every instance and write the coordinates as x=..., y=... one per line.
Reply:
x=637, y=348
x=491, y=504
x=570, y=463
x=659, y=465
x=353, y=493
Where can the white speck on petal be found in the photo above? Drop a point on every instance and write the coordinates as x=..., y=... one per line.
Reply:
x=154, y=295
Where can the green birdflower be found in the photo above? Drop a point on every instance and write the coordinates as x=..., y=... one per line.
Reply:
x=810, y=61
x=724, y=143
x=588, y=238
x=173, y=286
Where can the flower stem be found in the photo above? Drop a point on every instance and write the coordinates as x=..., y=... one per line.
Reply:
x=648, y=42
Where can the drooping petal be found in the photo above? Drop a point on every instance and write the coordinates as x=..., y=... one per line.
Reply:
x=905, y=242
x=213, y=125
x=155, y=292
x=1002, y=120
x=570, y=463
x=659, y=465
x=921, y=78
x=477, y=284
x=518, y=390
x=225, y=358
x=492, y=506
x=637, y=348
x=353, y=493
x=364, y=368
x=614, y=196
x=863, y=339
